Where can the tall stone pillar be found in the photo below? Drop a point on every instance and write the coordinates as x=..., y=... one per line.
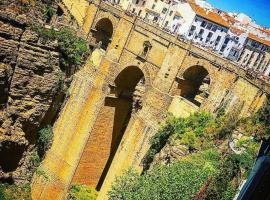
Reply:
x=71, y=132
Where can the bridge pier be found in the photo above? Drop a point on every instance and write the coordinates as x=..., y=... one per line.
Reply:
x=71, y=131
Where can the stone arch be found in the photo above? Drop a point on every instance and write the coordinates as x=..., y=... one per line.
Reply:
x=103, y=32
x=192, y=60
x=117, y=69
x=194, y=84
x=121, y=102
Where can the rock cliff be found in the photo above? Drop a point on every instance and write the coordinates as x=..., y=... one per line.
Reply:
x=30, y=75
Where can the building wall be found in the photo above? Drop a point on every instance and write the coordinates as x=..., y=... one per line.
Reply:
x=216, y=30
x=234, y=46
x=188, y=17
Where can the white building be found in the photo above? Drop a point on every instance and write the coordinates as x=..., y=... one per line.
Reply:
x=233, y=44
x=255, y=54
x=208, y=29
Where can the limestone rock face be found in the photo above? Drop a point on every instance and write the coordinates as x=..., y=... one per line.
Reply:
x=170, y=153
x=29, y=82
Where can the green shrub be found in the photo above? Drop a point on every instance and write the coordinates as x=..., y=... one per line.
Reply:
x=180, y=180
x=12, y=192
x=262, y=117
x=232, y=167
x=188, y=130
x=44, y=141
x=72, y=47
x=191, y=140
x=82, y=192
x=34, y=159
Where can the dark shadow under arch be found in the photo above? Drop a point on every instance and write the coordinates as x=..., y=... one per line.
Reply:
x=122, y=97
x=103, y=32
x=195, y=84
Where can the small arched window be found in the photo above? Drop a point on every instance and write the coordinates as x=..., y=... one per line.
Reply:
x=146, y=48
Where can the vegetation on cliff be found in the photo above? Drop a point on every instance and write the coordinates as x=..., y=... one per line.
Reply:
x=181, y=180
x=72, y=47
x=212, y=169
x=12, y=192
x=81, y=192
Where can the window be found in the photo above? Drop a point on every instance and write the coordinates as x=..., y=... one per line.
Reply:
x=176, y=17
x=166, y=23
x=153, y=6
x=209, y=26
x=214, y=28
x=222, y=48
x=210, y=34
x=140, y=12
x=201, y=32
x=226, y=40
x=217, y=40
x=137, y=1
x=203, y=24
x=164, y=10
x=192, y=29
x=59, y=11
x=146, y=48
x=208, y=38
x=171, y=12
x=146, y=16
x=143, y=3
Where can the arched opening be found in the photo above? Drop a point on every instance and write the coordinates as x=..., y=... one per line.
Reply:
x=123, y=100
x=146, y=48
x=103, y=32
x=194, y=85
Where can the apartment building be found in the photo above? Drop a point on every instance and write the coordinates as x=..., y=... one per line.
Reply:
x=208, y=28
x=233, y=43
x=162, y=13
x=255, y=54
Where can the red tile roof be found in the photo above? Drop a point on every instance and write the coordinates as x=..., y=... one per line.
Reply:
x=211, y=16
x=236, y=30
x=257, y=39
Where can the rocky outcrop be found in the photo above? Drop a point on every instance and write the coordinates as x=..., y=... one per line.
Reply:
x=171, y=152
x=29, y=84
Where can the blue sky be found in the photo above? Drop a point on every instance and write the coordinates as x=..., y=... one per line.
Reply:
x=258, y=10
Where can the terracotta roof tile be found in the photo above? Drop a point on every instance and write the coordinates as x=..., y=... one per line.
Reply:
x=257, y=39
x=236, y=30
x=265, y=30
x=230, y=19
x=211, y=16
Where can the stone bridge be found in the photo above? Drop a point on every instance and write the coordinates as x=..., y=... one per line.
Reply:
x=117, y=103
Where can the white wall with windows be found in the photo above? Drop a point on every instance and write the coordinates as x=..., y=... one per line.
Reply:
x=207, y=33
x=233, y=47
